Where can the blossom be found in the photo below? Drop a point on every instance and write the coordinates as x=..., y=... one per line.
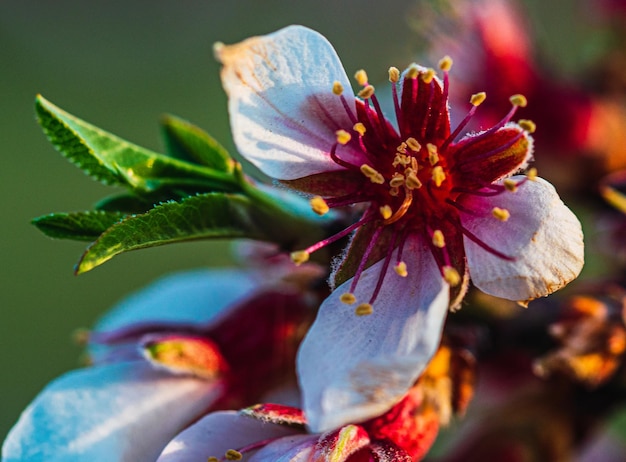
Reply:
x=188, y=344
x=434, y=210
x=269, y=432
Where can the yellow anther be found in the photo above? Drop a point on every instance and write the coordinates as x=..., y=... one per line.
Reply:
x=372, y=174
x=361, y=77
x=518, y=100
x=367, y=92
x=364, y=309
x=438, y=240
x=394, y=74
x=400, y=269
x=428, y=75
x=510, y=185
x=319, y=205
x=527, y=125
x=412, y=181
x=299, y=257
x=337, y=88
x=394, y=191
x=413, y=144
x=413, y=71
x=359, y=128
x=386, y=212
x=451, y=276
x=433, y=156
x=500, y=214
x=348, y=298
x=401, y=159
x=231, y=454
x=343, y=137
x=439, y=175
x=397, y=180
x=402, y=148
x=478, y=98
x=445, y=63
x=212, y=459
x=532, y=174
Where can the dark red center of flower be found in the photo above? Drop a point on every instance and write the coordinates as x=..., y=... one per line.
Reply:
x=412, y=176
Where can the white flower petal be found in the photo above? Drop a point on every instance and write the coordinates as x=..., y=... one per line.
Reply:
x=123, y=412
x=218, y=432
x=283, y=112
x=542, y=234
x=190, y=297
x=296, y=448
x=352, y=368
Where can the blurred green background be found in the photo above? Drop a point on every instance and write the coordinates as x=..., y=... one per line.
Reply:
x=120, y=65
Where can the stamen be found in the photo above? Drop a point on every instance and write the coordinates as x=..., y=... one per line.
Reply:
x=337, y=88
x=428, y=75
x=231, y=454
x=413, y=144
x=394, y=74
x=299, y=257
x=343, y=137
x=348, y=298
x=500, y=214
x=319, y=205
x=364, y=309
x=510, y=185
x=367, y=92
x=386, y=212
x=408, y=199
x=412, y=72
x=518, y=100
x=438, y=239
x=213, y=459
x=478, y=98
x=531, y=174
x=402, y=148
x=433, y=156
x=527, y=125
x=359, y=128
x=401, y=270
x=451, y=276
x=397, y=180
x=439, y=175
x=371, y=173
x=361, y=77
x=445, y=63
x=412, y=181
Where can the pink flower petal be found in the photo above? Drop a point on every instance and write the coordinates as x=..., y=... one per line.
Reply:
x=353, y=368
x=542, y=234
x=123, y=411
x=218, y=432
x=283, y=112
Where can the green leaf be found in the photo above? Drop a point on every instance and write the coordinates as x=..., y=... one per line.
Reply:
x=211, y=215
x=80, y=226
x=113, y=160
x=187, y=142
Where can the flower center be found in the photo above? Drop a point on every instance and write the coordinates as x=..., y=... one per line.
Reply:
x=407, y=169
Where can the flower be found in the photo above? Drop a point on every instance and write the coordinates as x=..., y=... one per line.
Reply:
x=434, y=211
x=270, y=432
x=188, y=344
